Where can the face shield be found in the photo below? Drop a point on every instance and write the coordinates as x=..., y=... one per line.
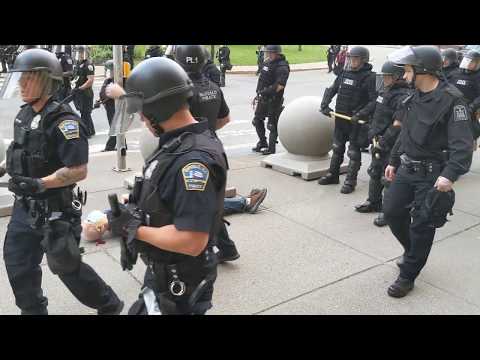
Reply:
x=470, y=64
x=383, y=81
x=82, y=53
x=31, y=86
x=127, y=108
x=353, y=63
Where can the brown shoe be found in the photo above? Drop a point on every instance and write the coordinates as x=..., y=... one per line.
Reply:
x=256, y=198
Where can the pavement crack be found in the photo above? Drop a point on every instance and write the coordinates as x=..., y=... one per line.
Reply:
x=129, y=272
x=317, y=288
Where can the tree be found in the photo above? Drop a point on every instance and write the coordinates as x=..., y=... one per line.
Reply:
x=299, y=47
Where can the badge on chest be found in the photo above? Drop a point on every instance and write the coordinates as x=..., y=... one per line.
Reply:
x=349, y=82
x=460, y=113
x=150, y=169
x=380, y=99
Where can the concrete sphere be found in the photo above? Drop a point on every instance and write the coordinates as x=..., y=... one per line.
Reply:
x=148, y=143
x=303, y=129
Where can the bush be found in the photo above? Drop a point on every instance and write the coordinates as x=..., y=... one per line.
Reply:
x=101, y=53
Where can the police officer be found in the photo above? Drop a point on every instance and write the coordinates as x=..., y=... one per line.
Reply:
x=269, y=100
x=83, y=88
x=67, y=67
x=260, y=58
x=356, y=96
x=383, y=132
x=48, y=155
x=450, y=61
x=108, y=104
x=467, y=79
x=209, y=103
x=3, y=57
x=175, y=211
x=435, y=119
x=210, y=70
x=153, y=51
x=223, y=56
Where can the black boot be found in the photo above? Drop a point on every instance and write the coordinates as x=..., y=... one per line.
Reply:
x=351, y=179
x=380, y=220
x=400, y=288
x=228, y=253
x=329, y=179
x=368, y=207
x=349, y=186
x=261, y=145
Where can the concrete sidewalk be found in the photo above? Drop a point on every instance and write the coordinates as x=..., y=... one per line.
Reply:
x=305, y=252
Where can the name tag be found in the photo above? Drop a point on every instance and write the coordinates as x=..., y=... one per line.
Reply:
x=380, y=99
x=348, y=82
x=461, y=82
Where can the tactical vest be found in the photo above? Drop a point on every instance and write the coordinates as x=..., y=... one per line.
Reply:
x=467, y=82
x=384, y=109
x=206, y=101
x=351, y=97
x=31, y=153
x=267, y=74
x=146, y=194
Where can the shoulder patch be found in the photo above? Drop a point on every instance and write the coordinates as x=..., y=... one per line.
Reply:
x=195, y=176
x=460, y=113
x=70, y=129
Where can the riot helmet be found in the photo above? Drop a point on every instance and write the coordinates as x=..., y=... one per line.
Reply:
x=82, y=52
x=449, y=57
x=425, y=59
x=389, y=75
x=273, y=48
x=356, y=58
x=41, y=74
x=158, y=88
x=471, y=61
x=109, y=66
x=191, y=57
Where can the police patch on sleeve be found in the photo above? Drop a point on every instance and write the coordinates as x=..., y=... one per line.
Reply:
x=195, y=176
x=70, y=129
x=459, y=113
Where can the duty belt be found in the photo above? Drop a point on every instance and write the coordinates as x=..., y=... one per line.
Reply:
x=425, y=166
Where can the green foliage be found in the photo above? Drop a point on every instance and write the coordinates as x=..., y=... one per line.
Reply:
x=101, y=53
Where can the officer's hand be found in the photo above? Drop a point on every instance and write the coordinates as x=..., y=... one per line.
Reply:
x=21, y=185
x=390, y=172
x=326, y=111
x=355, y=119
x=126, y=224
x=443, y=184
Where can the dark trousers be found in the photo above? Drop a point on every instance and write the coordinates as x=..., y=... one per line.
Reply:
x=4, y=64
x=331, y=61
x=23, y=254
x=376, y=171
x=345, y=131
x=84, y=104
x=223, y=238
x=271, y=109
x=402, y=206
x=112, y=140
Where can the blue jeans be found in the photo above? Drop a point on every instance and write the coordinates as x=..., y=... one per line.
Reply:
x=234, y=205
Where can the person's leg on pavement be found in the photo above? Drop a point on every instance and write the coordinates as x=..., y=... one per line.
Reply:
x=235, y=205
x=340, y=137
x=22, y=254
x=241, y=204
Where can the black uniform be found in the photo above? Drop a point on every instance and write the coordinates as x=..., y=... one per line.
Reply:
x=270, y=102
x=386, y=112
x=109, y=105
x=84, y=99
x=260, y=59
x=3, y=57
x=448, y=70
x=153, y=51
x=208, y=102
x=432, y=123
x=223, y=56
x=468, y=82
x=212, y=73
x=356, y=95
x=42, y=144
x=67, y=66
x=184, y=185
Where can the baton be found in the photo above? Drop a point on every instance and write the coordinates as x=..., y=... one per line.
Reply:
x=345, y=117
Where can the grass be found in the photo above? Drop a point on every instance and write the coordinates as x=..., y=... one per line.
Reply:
x=245, y=54
x=239, y=54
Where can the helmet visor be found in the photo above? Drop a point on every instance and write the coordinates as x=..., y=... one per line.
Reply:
x=470, y=64
x=353, y=63
x=31, y=86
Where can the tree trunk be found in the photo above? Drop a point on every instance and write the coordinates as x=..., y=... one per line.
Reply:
x=299, y=47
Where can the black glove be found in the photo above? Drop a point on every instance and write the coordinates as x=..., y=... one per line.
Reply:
x=326, y=110
x=355, y=118
x=125, y=226
x=97, y=104
x=21, y=185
